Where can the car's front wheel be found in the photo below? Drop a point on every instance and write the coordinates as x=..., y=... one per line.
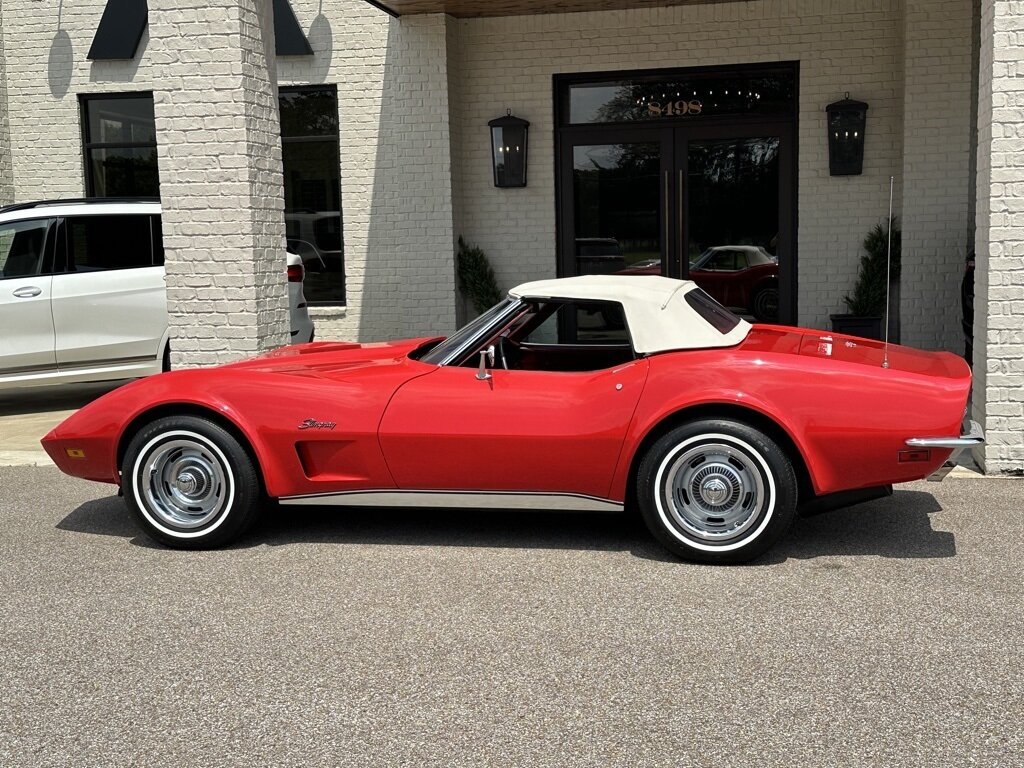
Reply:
x=190, y=483
x=717, y=491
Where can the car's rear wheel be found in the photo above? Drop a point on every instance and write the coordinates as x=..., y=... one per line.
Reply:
x=190, y=483
x=765, y=304
x=717, y=491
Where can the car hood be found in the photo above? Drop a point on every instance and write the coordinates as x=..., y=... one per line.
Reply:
x=330, y=358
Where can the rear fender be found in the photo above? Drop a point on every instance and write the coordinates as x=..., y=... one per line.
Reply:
x=726, y=404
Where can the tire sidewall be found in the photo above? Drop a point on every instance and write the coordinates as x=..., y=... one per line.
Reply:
x=759, y=300
x=773, y=518
x=240, y=476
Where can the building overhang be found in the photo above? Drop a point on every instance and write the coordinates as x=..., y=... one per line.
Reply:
x=475, y=8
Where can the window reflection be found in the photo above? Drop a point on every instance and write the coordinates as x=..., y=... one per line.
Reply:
x=120, y=146
x=312, y=188
x=617, y=206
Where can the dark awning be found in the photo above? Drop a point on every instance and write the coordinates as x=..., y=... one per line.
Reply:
x=289, y=39
x=120, y=30
x=123, y=22
x=472, y=8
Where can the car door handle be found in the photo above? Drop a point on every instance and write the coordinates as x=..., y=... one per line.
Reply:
x=27, y=292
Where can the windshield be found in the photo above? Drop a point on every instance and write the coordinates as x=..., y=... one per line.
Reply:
x=440, y=353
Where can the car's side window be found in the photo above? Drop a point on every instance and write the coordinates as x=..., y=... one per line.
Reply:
x=580, y=322
x=108, y=242
x=23, y=248
x=566, y=336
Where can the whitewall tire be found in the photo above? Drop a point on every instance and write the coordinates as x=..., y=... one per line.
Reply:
x=717, y=491
x=190, y=483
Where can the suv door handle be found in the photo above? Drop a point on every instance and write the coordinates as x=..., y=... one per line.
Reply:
x=27, y=292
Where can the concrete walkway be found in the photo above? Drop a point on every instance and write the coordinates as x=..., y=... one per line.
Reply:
x=28, y=414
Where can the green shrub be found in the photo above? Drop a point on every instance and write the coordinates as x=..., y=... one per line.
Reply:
x=868, y=299
x=476, y=277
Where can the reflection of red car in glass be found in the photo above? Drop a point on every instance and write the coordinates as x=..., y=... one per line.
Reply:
x=745, y=277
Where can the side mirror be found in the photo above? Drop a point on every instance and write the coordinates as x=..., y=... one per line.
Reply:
x=486, y=360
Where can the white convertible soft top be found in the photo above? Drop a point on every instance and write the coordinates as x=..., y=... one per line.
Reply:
x=659, y=316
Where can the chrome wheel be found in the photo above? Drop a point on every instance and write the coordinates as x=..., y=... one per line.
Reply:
x=184, y=481
x=713, y=491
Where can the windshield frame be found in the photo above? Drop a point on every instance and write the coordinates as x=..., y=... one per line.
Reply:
x=454, y=347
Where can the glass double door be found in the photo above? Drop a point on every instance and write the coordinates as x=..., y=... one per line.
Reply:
x=712, y=204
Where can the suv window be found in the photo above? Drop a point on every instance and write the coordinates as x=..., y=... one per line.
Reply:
x=108, y=242
x=22, y=245
x=158, y=241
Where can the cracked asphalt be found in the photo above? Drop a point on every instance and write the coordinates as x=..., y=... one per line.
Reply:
x=888, y=634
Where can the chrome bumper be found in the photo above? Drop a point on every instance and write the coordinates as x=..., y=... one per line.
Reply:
x=973, y=436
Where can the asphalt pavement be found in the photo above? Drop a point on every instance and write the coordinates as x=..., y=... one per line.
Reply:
x=889, y=634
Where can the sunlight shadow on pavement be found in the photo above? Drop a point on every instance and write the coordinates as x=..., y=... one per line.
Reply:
x=895, y=527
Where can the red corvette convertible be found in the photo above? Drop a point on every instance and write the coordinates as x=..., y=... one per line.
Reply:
x=715, y=429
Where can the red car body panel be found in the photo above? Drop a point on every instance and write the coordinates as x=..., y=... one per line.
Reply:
x=400, y=423
x=267, y=399
x=519, y=431
x=849, y=430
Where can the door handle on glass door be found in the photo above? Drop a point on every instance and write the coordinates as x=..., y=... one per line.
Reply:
x=27, y=292
x=681, y=247
x=665, y=216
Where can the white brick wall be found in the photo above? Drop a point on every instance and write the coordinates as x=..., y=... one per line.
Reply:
x=396, y=173
x=6, y=167
x=44, y=80
x=937, y=93
x=219, y=156
x=999, y=279
x=508, y=62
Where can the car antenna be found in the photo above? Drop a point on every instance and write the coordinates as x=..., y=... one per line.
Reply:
x=888, y=270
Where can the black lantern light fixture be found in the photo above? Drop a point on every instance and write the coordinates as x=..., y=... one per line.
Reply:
x=508, y=150
x=847, y=120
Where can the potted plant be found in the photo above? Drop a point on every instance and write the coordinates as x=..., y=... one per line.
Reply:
x=476, y=277
x=866, y=306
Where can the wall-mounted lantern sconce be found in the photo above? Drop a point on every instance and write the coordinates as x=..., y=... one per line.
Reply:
x=508, y=150
x=847, y=120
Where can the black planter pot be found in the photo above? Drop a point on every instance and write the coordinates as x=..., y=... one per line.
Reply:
x=858, y=325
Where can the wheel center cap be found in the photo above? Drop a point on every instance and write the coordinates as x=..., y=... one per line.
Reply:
x=187, y=483
x=714, y=490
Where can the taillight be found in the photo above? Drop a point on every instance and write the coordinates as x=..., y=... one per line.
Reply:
x=295, y=273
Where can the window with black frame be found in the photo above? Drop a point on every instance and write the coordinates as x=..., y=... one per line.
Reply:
x=312, y=188
x=119, y=143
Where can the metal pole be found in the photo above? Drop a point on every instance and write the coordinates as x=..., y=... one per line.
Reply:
x=888, y=271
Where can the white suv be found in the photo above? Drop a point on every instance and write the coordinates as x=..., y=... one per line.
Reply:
x=82, y=294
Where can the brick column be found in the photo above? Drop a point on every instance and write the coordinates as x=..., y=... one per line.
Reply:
x=936, y=170
x=6, y=166
x=219, y=154
x=999, y=276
